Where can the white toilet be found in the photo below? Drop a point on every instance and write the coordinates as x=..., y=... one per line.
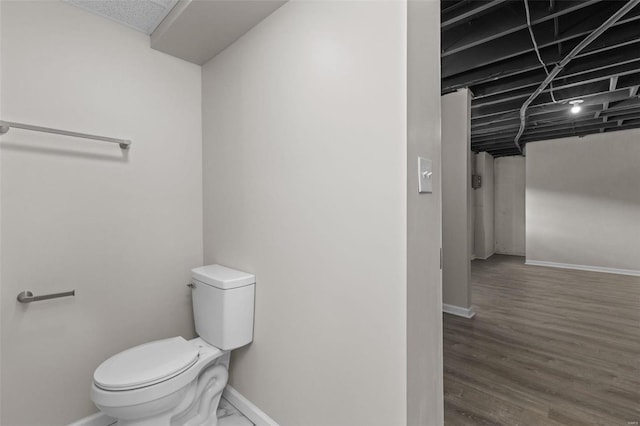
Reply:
x=174, y=381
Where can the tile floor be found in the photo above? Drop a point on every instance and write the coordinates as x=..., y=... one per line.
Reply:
x=228, y=415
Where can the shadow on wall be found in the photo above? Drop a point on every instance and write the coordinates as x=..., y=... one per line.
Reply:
x=121, y=157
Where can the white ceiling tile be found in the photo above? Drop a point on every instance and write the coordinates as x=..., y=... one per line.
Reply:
x=141, y=15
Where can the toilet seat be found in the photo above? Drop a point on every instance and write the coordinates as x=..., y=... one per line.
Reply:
x=207, y=355
x=146, y=364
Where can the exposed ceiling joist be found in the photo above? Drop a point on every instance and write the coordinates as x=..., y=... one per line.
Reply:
x=468, y=11
x=516, y=44
x=570, y=83
x=616, y=38
x=511, y=119
x=616, y=60
x=613, y=82
x=493, y=26
x=560, y=123
x=486, y=47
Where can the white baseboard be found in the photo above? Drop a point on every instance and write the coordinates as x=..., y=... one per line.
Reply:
x=97, y=419
x=485, y=258
x=510, y=253
x=247, y=408
x=583, y=267
x=457, y=310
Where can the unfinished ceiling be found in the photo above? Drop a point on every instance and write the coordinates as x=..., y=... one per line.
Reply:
x=486, y=46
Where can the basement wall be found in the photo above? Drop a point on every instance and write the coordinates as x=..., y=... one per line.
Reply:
x=583, y=202
x=484, y=240
x=509, y=207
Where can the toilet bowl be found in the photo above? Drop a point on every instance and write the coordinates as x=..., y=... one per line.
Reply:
x=175, y=382
x=166, y=382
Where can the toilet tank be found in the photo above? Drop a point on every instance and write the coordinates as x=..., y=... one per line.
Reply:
x=223, y=304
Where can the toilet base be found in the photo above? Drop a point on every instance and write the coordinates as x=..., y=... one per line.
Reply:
x=201, y=408
x=194, y=405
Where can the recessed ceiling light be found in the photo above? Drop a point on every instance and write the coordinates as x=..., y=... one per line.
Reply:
x=575, y=106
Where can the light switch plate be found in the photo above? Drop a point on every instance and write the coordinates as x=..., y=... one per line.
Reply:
x=425, y=176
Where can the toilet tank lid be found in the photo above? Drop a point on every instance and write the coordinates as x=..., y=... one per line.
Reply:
x=222, y=277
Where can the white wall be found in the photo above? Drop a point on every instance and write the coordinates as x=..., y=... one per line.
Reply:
x=583, y=201
x=456, y=195
x=509, y=205
x=484, y=204
x=1, y=115
x=122, y=229
x=424, y=222
x=305, y=180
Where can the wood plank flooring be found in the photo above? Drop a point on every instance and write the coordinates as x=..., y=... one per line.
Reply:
x=547, y=347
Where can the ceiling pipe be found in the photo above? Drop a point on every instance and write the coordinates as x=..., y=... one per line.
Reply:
x=584, y=43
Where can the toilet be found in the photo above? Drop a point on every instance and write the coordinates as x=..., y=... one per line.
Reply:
x=178, y=382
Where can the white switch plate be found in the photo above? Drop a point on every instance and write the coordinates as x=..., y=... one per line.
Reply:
x=425, y=176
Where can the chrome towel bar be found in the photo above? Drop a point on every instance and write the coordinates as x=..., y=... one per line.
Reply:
x=28, y=297
x=5, y=126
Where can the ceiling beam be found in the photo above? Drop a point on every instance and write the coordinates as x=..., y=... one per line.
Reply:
x=448, y=6
x=508, y=148
x=514, y=154
x=631, y=102
x=567, y=132
x=467, y=12
x=524, y=93
x=519, y=43
x=560, y=122
x=586, y=131
x=627, y=105
x=499, y=144
x=591, y=66
x=507, y=152
x=510, y=153
x=546, y=104
x=503, y=22
x=613, y=82
x=624, y=115
x=486, y=46
x=615, y=38
x=570, y=126
x=498, y=148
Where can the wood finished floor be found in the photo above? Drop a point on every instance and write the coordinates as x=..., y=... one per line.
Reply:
x=547, y=347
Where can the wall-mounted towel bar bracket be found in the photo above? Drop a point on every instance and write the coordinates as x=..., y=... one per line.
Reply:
x=28, y=297
x=5, y=126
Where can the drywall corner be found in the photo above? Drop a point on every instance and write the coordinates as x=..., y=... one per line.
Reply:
x=424, y=222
